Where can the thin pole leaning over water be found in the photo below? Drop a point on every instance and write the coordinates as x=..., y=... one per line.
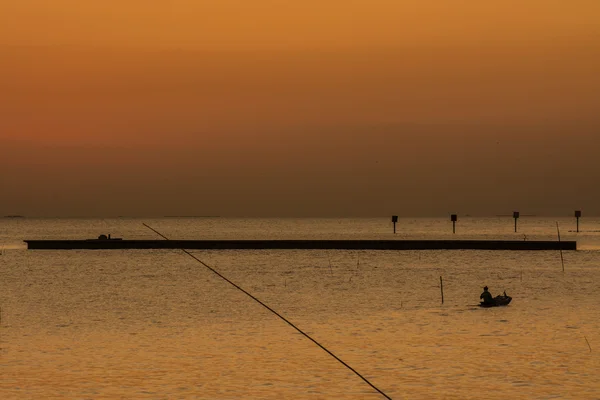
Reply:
x=588, y=343
x=562, y=261
x=274, y=312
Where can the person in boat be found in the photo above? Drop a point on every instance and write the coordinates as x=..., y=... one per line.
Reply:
x=486, y=296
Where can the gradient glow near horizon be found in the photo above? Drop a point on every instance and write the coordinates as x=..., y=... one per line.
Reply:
x=286, y=108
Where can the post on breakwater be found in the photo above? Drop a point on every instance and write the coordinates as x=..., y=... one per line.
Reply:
x=442, y=289
x=516, y=217
x=394, y=220
x=453, y=218
x=577, y=216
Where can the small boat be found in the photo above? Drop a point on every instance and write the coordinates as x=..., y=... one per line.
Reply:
x=500, y=300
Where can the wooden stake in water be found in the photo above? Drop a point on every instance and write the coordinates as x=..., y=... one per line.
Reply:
x=562, y=261
x=442, y=288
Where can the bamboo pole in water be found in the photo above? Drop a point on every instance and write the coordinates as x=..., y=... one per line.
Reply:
x=562, y=261
x=442, y=288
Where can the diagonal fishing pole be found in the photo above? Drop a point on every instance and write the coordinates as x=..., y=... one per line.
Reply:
x=274, y=312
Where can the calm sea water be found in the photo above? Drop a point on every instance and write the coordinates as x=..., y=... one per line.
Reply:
x=157, y=324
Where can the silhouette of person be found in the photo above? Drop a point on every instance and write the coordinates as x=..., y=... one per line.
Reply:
x=486, y=296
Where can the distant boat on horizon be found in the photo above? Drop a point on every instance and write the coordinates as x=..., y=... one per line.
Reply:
x=192, y=216
x=14, y=216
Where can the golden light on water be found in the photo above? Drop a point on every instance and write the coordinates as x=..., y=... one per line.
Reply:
x=147, y=324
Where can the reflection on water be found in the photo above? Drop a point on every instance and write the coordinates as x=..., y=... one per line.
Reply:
x=156, y=324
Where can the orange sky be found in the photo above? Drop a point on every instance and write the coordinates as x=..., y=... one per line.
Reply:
x=296, y=24
x=299, y=108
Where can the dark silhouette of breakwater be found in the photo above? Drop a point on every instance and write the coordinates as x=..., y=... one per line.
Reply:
x=119, y=244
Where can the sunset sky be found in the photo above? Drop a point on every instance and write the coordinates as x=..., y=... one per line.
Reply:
x=299, y=108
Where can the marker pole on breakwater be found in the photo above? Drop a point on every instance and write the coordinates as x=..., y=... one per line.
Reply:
x=453, y=218
x=276, y=313
x=394, y=220
x=516, y=217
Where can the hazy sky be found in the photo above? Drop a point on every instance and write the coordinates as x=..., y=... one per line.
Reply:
x=299, y=108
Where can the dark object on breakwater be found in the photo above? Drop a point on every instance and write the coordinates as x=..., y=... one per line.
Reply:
x=105, y=237
x=500, y=300
x=109, y=244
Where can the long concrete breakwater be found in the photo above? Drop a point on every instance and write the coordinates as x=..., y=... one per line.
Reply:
x=118, y=244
